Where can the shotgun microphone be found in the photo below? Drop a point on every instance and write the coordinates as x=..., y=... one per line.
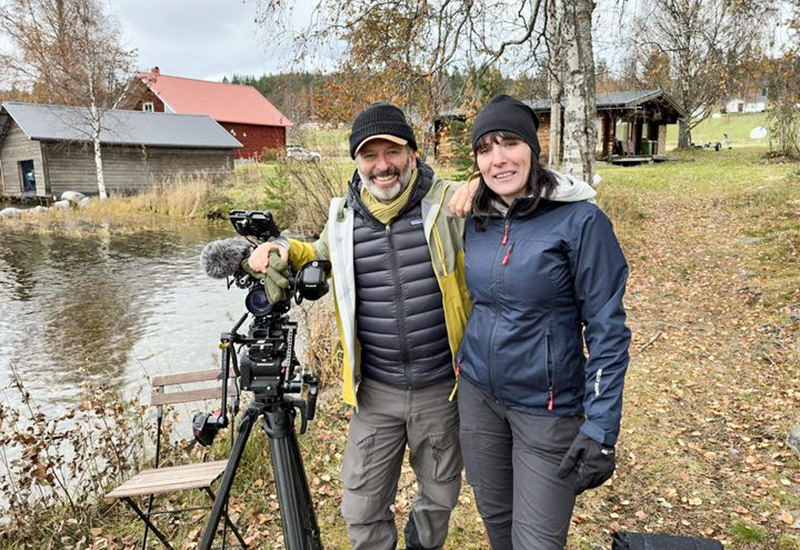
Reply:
x=223, y=258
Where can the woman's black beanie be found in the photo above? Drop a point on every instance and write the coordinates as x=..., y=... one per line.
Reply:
x=507, y=114
x=380, y=119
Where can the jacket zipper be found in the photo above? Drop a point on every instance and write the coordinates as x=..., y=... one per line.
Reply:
x=398, y=304
x=550, y=371
x=505, y=241
x=496, y=300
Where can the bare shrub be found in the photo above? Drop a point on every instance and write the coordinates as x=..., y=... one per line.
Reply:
x=57, y=468
x=309, y=188
x=322, y=352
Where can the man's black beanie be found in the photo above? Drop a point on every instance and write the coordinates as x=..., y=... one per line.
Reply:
x=380, y=119
x=510, y=115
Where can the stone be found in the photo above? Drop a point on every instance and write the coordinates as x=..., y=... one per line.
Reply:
x=793, y=439
x=62, y=205
x=38, y=208
x=10, y=212
x=84, y=202
x=72, y=196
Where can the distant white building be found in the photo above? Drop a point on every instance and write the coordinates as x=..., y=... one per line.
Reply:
x=754, y=104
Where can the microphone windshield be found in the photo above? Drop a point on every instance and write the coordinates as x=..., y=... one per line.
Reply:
x=223, y=258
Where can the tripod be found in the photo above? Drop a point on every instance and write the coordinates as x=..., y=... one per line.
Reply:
x=300, y=529
x=278, y=412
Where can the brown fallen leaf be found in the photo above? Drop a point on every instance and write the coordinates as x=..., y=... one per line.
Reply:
x=787, y=518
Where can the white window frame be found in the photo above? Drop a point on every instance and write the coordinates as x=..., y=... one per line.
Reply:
x=148, y=107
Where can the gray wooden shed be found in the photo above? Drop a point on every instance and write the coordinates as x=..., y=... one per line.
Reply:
x=47, y=149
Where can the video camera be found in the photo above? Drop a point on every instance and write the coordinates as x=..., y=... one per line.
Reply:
x=266, y=360
x=310, y=283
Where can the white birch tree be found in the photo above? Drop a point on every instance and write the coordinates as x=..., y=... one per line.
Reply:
x=555, y=67
x=475, y=34
x=580, y=102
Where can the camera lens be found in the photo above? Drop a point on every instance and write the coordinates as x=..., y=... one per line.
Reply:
x=257, y=302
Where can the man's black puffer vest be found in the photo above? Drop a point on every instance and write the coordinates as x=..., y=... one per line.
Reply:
x=399, y=312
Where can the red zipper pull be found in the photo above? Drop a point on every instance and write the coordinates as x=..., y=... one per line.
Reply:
x=505, y=233
x=550, y=404
x=508, y=254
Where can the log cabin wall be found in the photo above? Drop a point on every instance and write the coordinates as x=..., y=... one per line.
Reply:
x=128, y=169
x=16, y=147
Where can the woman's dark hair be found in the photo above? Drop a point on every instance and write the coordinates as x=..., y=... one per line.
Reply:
x=541, y=182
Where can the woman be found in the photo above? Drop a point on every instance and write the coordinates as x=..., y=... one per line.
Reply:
x=538, y=419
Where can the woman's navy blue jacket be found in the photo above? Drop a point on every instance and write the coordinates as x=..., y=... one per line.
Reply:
x=540, y=283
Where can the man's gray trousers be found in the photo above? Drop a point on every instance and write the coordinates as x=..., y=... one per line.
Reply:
x=511, y=459
x=388, y=418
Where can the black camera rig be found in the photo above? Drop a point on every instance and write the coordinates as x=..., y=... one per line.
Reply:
x=266, y=365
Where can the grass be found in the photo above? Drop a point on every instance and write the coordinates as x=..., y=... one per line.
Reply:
x=712, y=130
x=329, y=142
x=744, y=532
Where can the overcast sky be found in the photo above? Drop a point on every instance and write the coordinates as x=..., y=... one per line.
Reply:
x=205, y=39
x=209, y=39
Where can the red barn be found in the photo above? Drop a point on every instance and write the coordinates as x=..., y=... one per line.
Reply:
x=241, y=110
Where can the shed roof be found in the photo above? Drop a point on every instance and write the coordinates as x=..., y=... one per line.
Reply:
x=605, y=101
x=221, y=101
x=64, y=123
x=618, y=100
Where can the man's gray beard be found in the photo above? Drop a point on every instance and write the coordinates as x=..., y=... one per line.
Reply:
x=388, y=195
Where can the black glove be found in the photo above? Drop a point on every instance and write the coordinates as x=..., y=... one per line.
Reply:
x=593, y=462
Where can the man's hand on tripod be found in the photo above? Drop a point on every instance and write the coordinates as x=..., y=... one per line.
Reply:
x=259, y=258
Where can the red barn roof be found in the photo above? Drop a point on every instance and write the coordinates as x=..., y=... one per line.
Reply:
x=221, y=101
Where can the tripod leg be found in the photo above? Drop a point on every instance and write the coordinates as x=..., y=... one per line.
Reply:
x=245, y=426
x=306, y=505
x=228, y=522
x=299, y=522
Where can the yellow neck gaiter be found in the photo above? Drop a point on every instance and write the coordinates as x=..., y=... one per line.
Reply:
x=382, y=211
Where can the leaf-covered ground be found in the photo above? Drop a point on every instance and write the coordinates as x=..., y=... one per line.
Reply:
x=713, y=243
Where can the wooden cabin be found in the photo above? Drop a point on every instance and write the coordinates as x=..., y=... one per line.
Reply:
x=632, y=126
x=47, y=149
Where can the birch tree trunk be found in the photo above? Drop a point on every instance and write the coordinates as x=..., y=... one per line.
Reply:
x=98, y=154
x=580, y=108
x=556, y=88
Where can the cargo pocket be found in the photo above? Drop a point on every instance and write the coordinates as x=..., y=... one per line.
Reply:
x=446, y=454
x=360, y=442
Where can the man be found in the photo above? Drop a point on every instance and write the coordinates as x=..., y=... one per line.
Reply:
x=401, y=305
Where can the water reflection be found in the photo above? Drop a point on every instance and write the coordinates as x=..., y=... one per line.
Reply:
x=118, y=308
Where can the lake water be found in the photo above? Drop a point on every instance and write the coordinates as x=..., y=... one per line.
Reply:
x=114, y=308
